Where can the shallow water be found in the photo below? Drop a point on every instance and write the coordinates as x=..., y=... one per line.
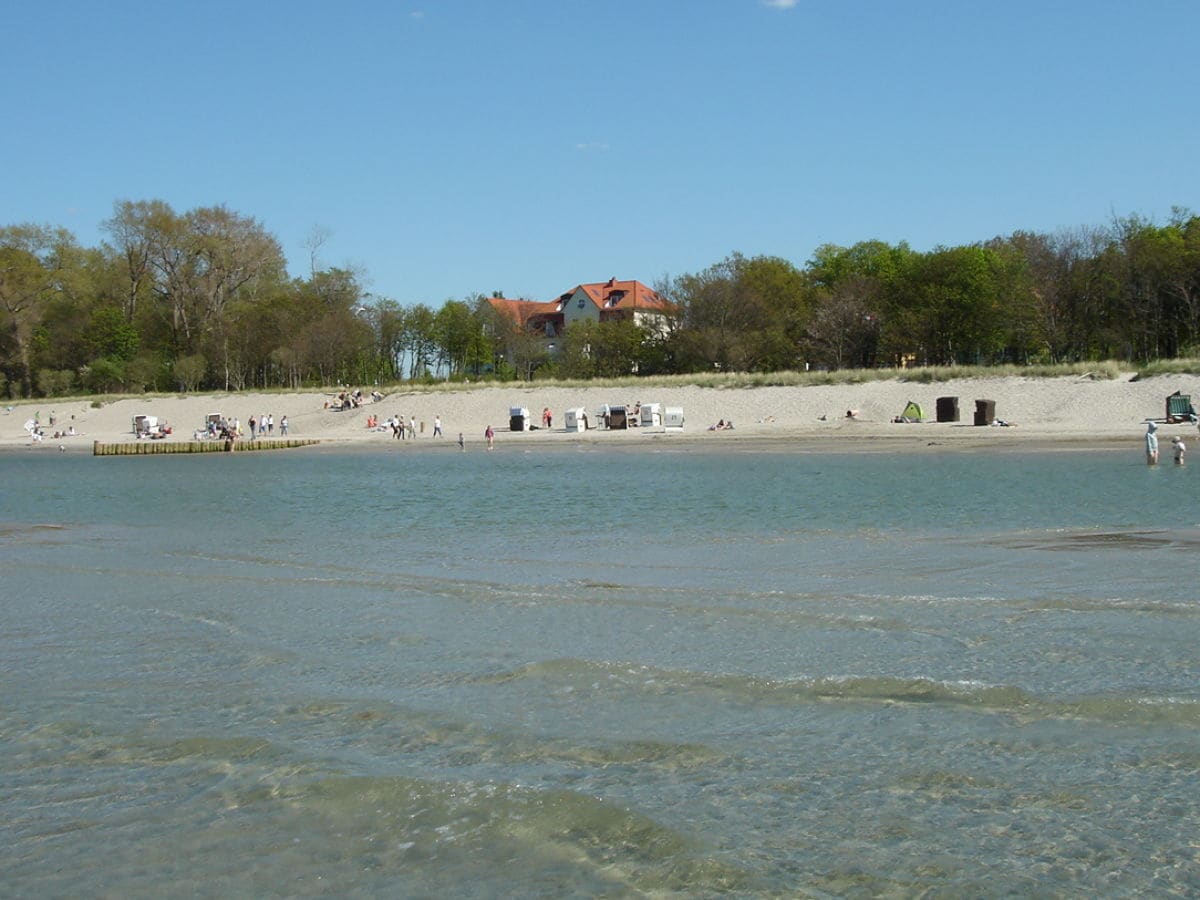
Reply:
x=587, y=672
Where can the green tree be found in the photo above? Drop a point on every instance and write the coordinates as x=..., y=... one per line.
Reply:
x=104, y=375
x=194, y=266
x=510, y=351
x=844, y=328
x=110, y=334
x=189, y=371
x=55, y=383
x=741, y=314
x=389, y=318
x=947, y=310
x=34, y=262
x=457, y=332
x=420, y=340
x=133, y=227
x=609, y=349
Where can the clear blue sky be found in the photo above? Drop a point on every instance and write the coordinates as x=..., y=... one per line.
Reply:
x=450, y=146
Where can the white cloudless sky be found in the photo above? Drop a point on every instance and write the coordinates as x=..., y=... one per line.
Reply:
x=448, y=147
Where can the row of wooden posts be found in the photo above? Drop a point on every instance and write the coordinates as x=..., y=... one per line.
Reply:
x=140, y=448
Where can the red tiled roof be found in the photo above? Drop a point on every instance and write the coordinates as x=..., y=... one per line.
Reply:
x=607, y=295
x=520, y=311
x=614, y=294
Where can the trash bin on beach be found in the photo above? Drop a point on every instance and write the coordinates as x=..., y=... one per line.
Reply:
x=947, y=409
x=518, y=419
x=985, y=412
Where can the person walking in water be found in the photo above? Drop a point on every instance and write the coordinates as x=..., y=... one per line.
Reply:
x=1179, y=449
x=462, y=444
x=1151, y=444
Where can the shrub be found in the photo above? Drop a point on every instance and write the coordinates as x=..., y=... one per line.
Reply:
x=55, y=382
x=104, y=375
x=189, y=371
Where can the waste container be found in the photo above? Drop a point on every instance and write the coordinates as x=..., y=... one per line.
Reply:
x=985, y=412
x=947, y=409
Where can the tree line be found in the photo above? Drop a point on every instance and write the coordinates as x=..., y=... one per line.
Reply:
x=202, y=300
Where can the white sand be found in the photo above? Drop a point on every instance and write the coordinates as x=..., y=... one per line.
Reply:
x=1069, y=411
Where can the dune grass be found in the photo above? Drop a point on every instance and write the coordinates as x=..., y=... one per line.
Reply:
x=1182, y=366
x=727, y=380
x=1106, y=370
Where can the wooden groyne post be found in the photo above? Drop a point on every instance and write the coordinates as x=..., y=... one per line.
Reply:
x=146, y=448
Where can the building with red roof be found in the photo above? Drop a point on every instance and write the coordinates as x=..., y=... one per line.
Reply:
x=602, y=301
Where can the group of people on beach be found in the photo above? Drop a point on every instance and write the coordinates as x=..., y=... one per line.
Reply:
x=37, y=431
x=230, y=429
x=348, y=399
x=264, y=426
x=1178, y=448
x=223, y=428
x=401, y=429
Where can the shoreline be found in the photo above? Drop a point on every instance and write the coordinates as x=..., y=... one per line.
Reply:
x=1067, y=413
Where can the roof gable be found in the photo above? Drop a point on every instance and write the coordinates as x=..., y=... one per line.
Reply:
x=614, y=294
x=606, y=296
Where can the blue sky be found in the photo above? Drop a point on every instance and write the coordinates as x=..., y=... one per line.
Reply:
x=447, y=148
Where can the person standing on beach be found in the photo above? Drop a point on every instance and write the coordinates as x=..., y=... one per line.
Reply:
x=283, y=426
x=490, y=436
x=462, y=444
x=1151, y=444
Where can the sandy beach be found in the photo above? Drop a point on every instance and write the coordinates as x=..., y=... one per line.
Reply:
x=1068, y=412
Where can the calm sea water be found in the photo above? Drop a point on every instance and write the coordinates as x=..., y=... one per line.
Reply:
x=599, y=672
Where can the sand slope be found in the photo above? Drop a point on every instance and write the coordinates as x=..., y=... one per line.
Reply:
x=1067, y=410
